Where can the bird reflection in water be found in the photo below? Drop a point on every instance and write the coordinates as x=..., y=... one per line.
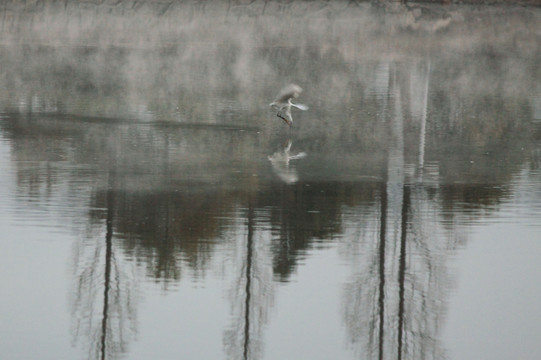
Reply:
x=283, y=102
x=280, y=163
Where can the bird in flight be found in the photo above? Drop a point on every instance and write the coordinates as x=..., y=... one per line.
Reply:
x=283, y=102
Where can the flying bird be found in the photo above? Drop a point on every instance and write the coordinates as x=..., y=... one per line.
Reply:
x=283, y=102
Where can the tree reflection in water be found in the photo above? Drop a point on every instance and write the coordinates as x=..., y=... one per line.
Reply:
x=392, y=305
x=251, y=292
x=104, y=303
x=405, y=150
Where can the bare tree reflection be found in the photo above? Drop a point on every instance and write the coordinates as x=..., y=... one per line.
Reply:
x=251, y=293
x=399, y=314
x=421, y=146
x=105, y=322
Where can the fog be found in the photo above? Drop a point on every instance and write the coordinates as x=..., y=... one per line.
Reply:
x=220, y=64
x=146, y=56
x=140, y=132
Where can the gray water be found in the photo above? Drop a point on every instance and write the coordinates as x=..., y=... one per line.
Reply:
x=154, y=206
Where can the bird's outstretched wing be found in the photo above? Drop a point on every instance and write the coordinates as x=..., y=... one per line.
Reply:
x=300, y=106
x=291, y=91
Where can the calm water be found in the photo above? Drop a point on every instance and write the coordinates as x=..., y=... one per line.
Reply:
x=154, y=207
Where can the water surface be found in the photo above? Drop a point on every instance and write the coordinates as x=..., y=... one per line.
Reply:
x=154, y=206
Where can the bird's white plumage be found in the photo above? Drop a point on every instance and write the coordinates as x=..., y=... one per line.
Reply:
x=284, y=104
x=291, y=91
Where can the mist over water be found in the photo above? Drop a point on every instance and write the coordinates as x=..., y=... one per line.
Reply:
x=154, y=205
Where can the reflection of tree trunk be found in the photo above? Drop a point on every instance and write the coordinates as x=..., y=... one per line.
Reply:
x=383, y=315
x=104, y=303
x=402, y=265
x=107, y=280
x=251, y=293
x=423, y=121
x=382, y=238
x=249, y=251
x=166, y=171
x=382, y=235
